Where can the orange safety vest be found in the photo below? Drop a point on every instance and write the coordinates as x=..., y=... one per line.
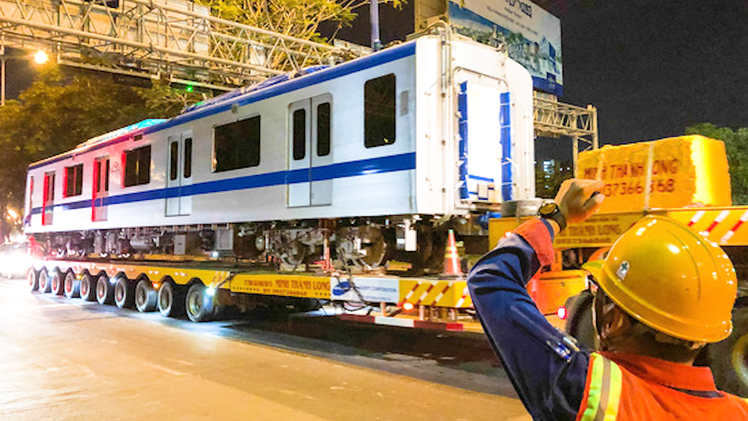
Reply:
x=641, y=388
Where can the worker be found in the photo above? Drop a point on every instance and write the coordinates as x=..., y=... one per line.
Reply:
x=660, y=295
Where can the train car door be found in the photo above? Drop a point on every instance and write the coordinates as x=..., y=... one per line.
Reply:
x=310, y=142
x=100, y=188
x=179, y=175
x=48, y=200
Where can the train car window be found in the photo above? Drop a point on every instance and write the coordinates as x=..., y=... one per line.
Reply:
x=323, y=129
x=379, y=111
x=237, y=145
x=74, y=180
x=187, y=173
x=138, y=166
x=173, y=160
x=106, y=176
x=299, y=134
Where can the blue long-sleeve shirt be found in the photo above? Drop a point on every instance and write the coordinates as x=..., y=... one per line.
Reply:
x=546, y=369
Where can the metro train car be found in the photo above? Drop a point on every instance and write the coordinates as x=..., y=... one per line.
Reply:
x=370, y=160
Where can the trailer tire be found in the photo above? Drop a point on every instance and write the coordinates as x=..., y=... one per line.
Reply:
x=72, y=286
x=199, y=305
x=170, y=303
x=56, y=285
x=146, y=297
x=729, y=359
x=104, y=290
x=32, y=278
x=88, y=287
x=124, y=293
x=44, y=284
x=579, y=320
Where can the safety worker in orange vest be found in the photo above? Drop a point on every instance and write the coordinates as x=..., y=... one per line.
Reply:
x=660, y=295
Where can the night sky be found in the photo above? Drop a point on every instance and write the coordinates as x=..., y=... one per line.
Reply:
x=651, y=67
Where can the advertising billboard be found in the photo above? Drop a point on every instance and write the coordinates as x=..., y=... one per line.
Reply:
x=532, y=35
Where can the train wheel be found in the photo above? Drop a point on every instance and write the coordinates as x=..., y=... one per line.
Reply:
x=146, y=296
x=56, y=283
x=72, y=286
x=169, y=303
x=88, y=287
x=199, y=303
x=104, y=290
x=44, y=284
x=123, y=293
x=32, y=278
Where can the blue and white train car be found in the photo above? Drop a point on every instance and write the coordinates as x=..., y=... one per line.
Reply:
x=367, y=156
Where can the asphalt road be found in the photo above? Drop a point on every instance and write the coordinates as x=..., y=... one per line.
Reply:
x=70, y=360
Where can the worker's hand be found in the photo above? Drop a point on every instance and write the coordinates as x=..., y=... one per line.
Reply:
x=579, y=199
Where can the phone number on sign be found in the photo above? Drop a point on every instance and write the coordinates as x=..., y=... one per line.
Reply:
x=624, y=188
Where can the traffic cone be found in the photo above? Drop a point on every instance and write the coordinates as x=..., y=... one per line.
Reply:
x=451, y=258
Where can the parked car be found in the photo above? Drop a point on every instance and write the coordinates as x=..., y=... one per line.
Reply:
x=14, y=259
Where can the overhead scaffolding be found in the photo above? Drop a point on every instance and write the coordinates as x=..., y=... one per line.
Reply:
x=160, y=39
x=180, y=41
x=554, y=119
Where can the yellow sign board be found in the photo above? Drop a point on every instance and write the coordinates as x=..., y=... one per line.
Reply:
x=302, y=286
x=600, y=230
x=667, y=173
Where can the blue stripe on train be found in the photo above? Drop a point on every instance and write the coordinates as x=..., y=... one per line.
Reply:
x=385, y=164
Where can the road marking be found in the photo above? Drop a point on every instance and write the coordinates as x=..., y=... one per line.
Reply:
x=166, y=370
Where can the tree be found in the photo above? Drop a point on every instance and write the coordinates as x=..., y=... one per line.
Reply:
x=296, y=18
x=549, y=175
x=736, y=144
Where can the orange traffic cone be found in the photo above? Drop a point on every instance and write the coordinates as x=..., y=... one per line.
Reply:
x=451, y=258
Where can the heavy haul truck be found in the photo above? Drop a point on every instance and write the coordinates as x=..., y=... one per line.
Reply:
x=684, y=178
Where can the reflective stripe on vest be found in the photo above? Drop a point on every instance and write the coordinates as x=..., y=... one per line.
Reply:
x=604, y=393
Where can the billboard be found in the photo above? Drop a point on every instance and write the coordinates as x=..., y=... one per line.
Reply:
x=532, y=35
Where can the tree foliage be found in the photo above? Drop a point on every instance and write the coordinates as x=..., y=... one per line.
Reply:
x=736, y=144
x=296, y=18
x=548, y=180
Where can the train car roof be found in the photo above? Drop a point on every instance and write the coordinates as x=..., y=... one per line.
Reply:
x=280, y=85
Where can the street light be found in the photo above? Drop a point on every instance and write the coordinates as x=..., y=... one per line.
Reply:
x=40, y=57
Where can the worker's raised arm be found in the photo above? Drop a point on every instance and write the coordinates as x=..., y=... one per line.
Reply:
x=545, y=367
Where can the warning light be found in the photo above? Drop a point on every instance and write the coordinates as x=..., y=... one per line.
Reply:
x=155, y=285
x=561, y=313
x=407, y=306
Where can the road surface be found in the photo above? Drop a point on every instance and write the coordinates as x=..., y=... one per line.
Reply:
x=71, y=360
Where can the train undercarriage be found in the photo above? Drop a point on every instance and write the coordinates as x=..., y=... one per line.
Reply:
x=351, y=244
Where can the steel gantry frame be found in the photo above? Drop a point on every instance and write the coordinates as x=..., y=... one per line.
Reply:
x=553, y=119
x=172, y=39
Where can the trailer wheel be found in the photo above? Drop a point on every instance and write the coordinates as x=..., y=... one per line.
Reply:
x=88, y=287
x=32, y=278
x=72, y=286
x=44, y=284
x=56, y=283
x=123, y=293
x=729, y=359
x=169, y=303
x=579, y=320
x=199, y=304
x=104, y=290
x=146, y=296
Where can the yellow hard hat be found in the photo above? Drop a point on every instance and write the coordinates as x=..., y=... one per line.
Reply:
x=671, y=279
